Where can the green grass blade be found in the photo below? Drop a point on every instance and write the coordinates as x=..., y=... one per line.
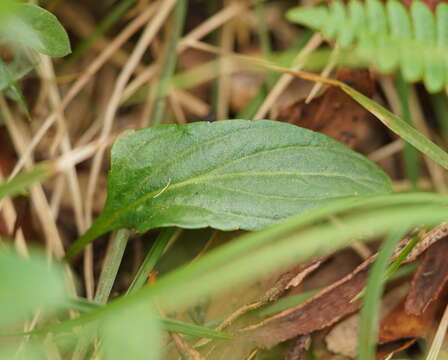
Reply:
x=256, y=254
x=114, y=256
x=181, y=327
x=375, y=285
x=393, y=268
x=24, y=180
x=106, y=24
x=400, y=127
x=185, y=328
x=151, y=258
x=410, y=152
x=169, y=61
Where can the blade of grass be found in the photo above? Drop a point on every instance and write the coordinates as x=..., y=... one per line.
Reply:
x=255, y=254
x=249, y=110
x=410, y=153
x=181, y=327
x=392, y=121
x=393, y=268
x=154, y=254
x=395, y=265
x=105, y=25
x=169, y=61
x=400, y=127
x=263, y=35
x=25, y=179
x=375, y=284
x=114, y=256
x=185, y=328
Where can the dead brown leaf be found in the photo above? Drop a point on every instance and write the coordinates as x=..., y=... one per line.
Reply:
x=401, y=325
x=321, y=311
x=343, y=337
x=429, y=279
x=335, y=113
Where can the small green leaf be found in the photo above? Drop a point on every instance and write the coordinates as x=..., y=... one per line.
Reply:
x=24, y=180
x=26, y=285
x=131, y=333
x=8, y=81
x=233, y=174
x=32, y=26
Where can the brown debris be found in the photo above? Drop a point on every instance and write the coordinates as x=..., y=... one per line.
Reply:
x=292, y=279
x=429, y=280
x=399, y=324
x=343, y=337
x=321, y=311
x=335, y=113
x=387, y=351
x=299, y=348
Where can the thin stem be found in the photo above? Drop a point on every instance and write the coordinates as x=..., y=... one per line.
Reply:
x=410, y=153
x=169, y=61
x=154, y=254
x=110, y=20
x=370, y=311
x=115, y=251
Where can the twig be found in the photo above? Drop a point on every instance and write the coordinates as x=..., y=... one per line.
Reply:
x=285, y=79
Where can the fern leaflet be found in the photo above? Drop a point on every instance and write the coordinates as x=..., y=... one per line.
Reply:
x=387, y=36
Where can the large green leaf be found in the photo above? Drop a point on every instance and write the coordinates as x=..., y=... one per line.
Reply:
x=32, y=26
x=131, y=333
x=233, y=174
x=27, y=285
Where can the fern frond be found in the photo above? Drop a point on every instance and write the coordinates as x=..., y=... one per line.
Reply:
x=387, y=36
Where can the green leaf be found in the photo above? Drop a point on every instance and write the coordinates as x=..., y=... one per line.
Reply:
x=9, y=82
x=131, y=333
x=24, y=180
x=26, y=285
x=32, y=26
x=233, y=174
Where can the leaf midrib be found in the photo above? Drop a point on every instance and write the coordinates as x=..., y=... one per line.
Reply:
x=201, y=179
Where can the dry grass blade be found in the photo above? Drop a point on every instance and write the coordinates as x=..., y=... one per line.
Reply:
x=146, y=38
x=83, y=80
x=284, y=81
x=439, y=337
